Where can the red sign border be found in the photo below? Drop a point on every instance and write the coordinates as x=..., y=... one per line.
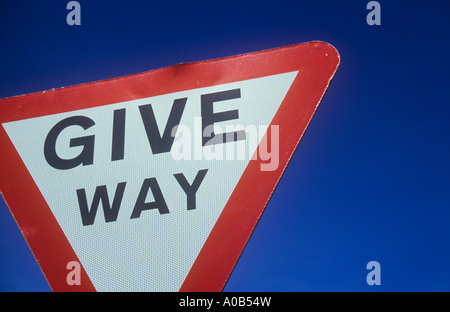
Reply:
x=316, y=62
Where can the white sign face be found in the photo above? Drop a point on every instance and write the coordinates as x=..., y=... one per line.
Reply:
x=137, y=186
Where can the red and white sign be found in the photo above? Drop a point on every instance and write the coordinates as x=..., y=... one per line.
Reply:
x=155, y=181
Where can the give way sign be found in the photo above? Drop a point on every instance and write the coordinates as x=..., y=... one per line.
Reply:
x=155, y=181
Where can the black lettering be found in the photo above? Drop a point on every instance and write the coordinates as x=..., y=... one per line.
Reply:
x=111, y=212
x=209, y=117
x=86, y=157
x=161, y=144
x=118, y=137
x=190, y=189
x=159, y=202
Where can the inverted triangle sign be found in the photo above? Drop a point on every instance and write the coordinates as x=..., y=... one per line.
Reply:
x=155, y=181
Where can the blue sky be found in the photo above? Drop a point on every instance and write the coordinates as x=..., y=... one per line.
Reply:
x=370, y=179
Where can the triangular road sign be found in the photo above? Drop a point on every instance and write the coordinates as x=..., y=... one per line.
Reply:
x=155, y=181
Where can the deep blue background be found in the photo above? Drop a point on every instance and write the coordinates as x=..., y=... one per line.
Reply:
x=370, y=179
